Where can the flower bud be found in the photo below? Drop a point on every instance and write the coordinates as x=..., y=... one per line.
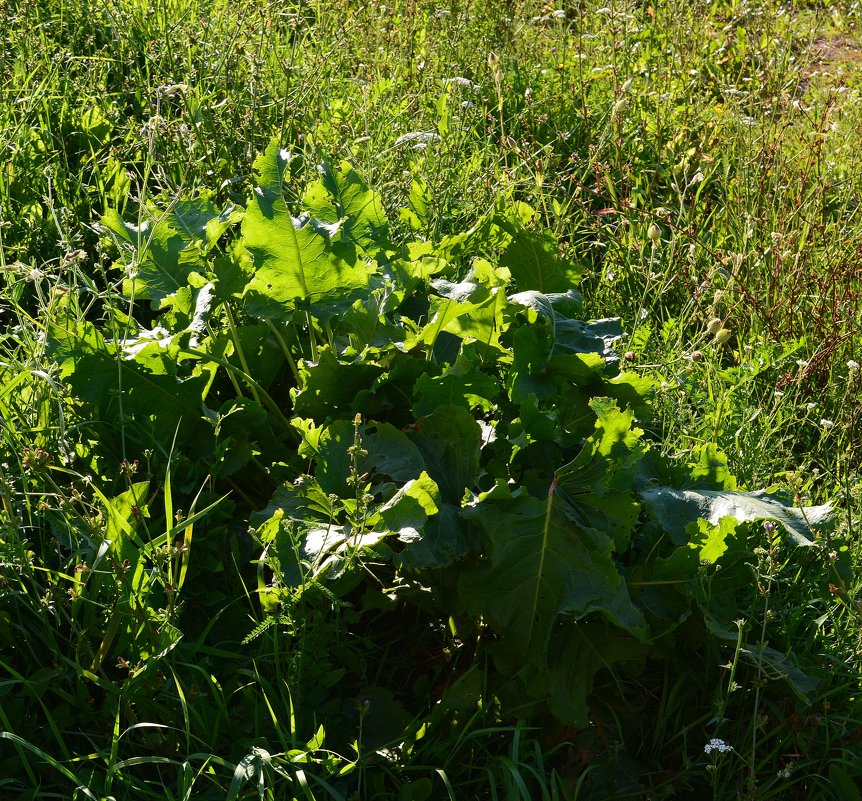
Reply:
x=714, y=325
x=654, y=233
x=722, y=335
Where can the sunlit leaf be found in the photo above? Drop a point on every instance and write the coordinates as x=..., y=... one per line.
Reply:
x=294, y=260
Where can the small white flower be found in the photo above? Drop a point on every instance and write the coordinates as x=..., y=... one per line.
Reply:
x=172, y=89
x=716, y=744
x=852, y=365
x=824, y=423
x=420, y=137
x=560, y=13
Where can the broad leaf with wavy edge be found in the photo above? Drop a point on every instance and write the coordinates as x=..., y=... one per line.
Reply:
x=674, y=509
x=539, y=566
x=295, y=264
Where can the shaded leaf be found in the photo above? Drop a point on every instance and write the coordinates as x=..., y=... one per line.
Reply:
x=538, y=566
x=443, y=541
x=449, y=441
x=139, y=386
x=462, y=384
x=390, y=452
x=329, y=386
x=581, y=651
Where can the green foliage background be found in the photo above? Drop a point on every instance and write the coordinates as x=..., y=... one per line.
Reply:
x=387, y=390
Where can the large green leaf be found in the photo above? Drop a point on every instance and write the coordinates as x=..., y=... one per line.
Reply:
x=539, y=368
x=408, y=510
x=462, y=384
x=533, y=258
x=469, y=310
x=388, y=452
x=138, y=387
x=674, y=509
x=302, y=501
x=581, y=650
x=594, y=486
x=449, y=441
x=329, y=386
x=164, y=248
x=294, y=260
x=443, y=541
x=568, y=334
x=342, y=198
x=538, y=566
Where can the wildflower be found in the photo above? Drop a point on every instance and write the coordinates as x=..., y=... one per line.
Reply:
x=464, y=83
x=654, y=233
x=172, y=89
x=852, y=365
x=73, y=257
x=418, y=137
x=560, y=13
x=824, y=423
x=716, y=744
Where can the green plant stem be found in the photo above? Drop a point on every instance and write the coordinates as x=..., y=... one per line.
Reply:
x=239, y=351
x=285, y=351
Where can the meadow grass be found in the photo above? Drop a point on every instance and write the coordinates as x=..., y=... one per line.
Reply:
x=700, y=163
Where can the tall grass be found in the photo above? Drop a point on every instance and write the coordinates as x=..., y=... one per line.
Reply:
x=700, y=162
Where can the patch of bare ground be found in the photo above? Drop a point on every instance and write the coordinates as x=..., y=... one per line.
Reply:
x=834, y=55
